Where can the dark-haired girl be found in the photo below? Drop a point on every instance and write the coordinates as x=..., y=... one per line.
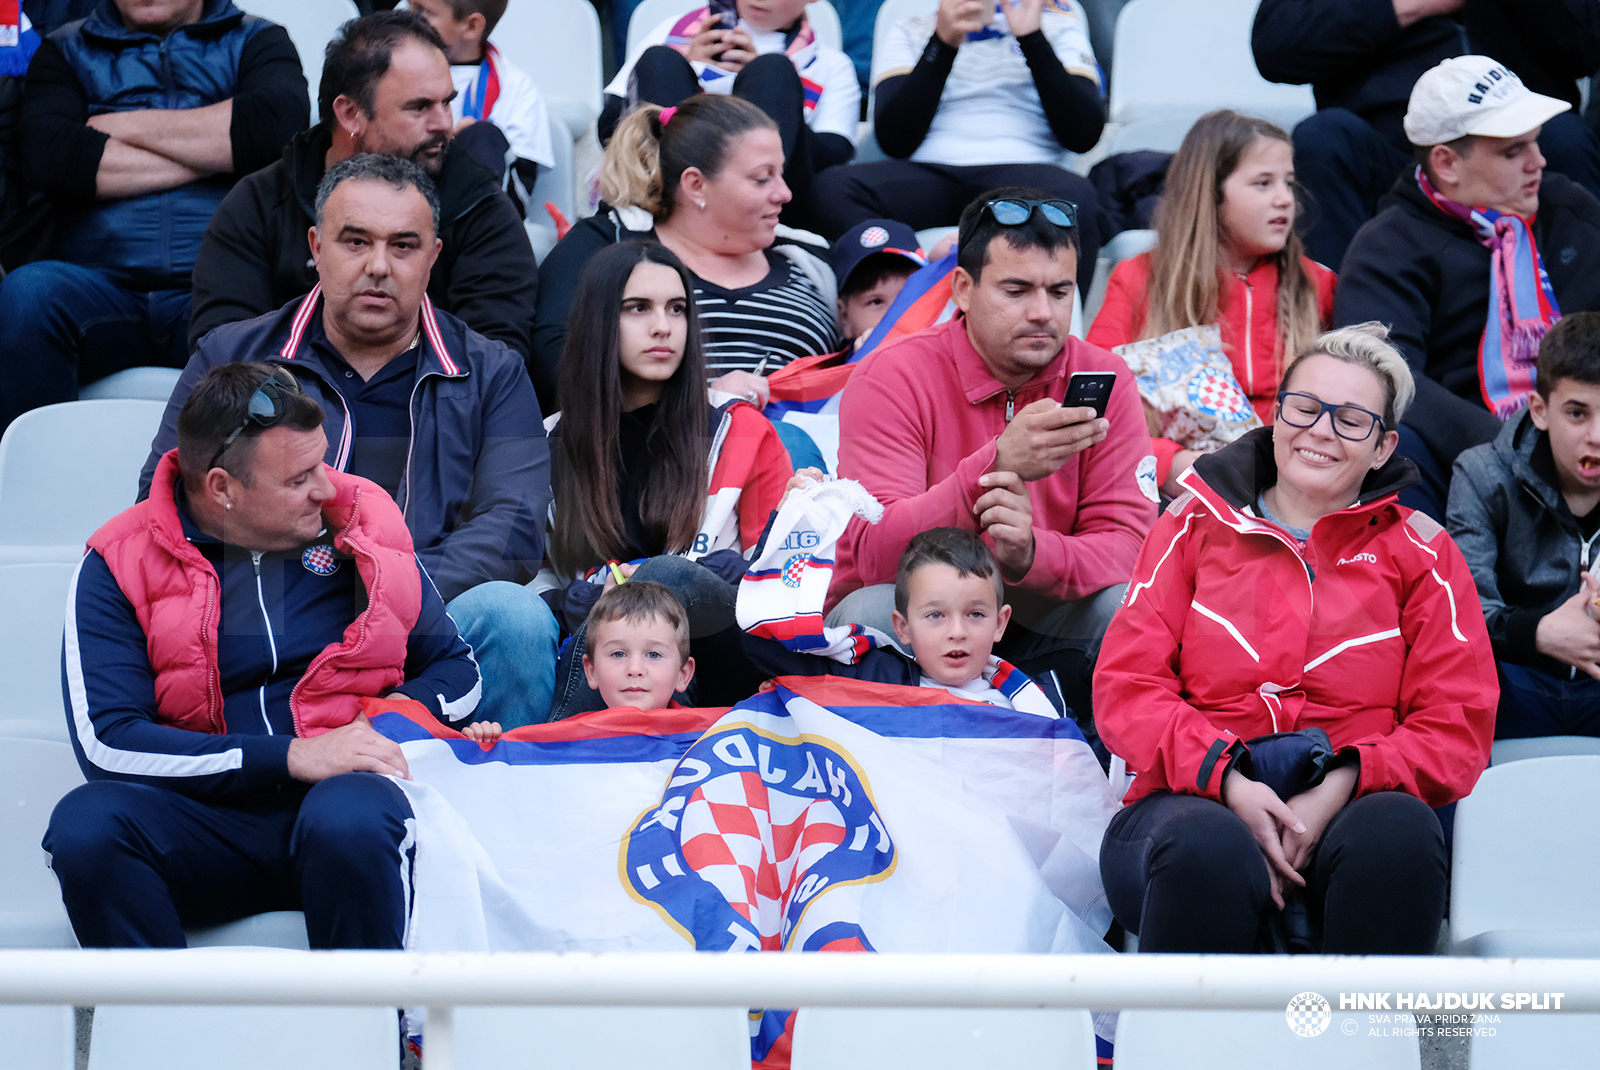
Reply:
x=645, y=468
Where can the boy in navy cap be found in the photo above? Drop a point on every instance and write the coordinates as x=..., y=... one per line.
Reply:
x=872, y=261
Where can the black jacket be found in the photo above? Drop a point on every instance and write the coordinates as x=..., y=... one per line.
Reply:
x=1524, y=546
x=1426, y=276
x=255, y=258
x=1357, y=56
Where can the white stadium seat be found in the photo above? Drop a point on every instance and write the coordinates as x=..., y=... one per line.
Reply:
x=38, y=1038
x=862, y=1038
x=1229, y=1040
x=1514, y=750
x=34, y=775
x=558, y=43
x=1521, y=1040
x=557, y=185
x=1523, y=878
x=147, y=382
x=244, y=1038
x=33, y=601
x=66, y=469
x=311, y=25
x=1125, y=246
x=1180, y=58
x=601, y=1038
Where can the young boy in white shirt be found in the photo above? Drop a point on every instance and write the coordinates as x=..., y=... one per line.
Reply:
x=491, y=89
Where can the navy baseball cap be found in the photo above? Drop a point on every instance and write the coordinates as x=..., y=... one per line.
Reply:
x=868, y=238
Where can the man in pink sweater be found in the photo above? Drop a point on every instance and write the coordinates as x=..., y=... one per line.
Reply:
x=962, y=425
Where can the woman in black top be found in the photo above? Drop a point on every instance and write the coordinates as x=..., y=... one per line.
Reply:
x=632, y=452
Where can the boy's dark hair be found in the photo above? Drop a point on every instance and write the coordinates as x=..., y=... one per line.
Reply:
x=961, y=550
x=215, y=409
x=873, y=270
x=1571, y=350
x=491, y=10
x=979, y=229
x=359, y=55
x=639, y=601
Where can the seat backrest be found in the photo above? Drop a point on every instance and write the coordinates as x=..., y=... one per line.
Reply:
x=1517, y=859
x=38, y=1038
x=558, y=43
x=311, y=25
x=1228, y=1039
x=34, y=775
x=33, y=599
x=600, y=1038
x=1517, y=1041
x=245, y=1038
x=1125, y=246
x=652, y=13
x=1180, y=57
x=1515, y=750
x=861, y=1038
x=66, y=469
x=556, y=185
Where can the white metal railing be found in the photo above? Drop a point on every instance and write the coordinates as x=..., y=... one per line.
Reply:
x=442, y=982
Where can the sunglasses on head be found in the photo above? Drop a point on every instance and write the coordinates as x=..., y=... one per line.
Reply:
x=1014, y=213
x=265, y=408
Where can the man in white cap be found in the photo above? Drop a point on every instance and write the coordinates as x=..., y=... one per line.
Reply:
x=1471, y=258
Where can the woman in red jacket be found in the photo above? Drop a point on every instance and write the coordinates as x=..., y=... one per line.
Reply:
x=1288, y=592
x=1228, y=254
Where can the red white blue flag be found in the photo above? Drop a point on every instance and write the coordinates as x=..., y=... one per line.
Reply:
x=825, y=814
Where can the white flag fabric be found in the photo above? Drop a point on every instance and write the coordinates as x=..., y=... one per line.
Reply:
x=826, y=814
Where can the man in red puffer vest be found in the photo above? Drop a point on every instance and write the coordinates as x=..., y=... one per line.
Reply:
x=220, y=636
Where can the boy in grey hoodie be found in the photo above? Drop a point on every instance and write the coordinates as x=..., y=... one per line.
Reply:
x=1525, y=510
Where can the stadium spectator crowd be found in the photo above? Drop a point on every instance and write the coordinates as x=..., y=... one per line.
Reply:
x=403, y=460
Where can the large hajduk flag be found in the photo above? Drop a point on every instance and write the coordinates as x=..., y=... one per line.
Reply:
x=825, y=814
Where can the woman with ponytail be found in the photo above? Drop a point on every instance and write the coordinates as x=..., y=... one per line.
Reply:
x=705, y=179
x=1228, y=254
x=647, y=472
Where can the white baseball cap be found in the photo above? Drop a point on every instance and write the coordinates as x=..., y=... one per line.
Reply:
x=1474, y=95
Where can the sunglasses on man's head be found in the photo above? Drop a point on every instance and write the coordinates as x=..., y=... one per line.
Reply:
x=1014, y=213
x=265, y=408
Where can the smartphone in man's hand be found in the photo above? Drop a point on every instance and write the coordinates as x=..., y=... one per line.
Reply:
x=1090, y=390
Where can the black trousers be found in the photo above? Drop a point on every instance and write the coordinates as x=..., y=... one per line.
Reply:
x=1345, y=166
x=1184, y=874
x=662, y=76
x=925, y=195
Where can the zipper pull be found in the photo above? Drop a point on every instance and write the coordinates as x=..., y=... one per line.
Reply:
x=1011, y=405
x=255, y=557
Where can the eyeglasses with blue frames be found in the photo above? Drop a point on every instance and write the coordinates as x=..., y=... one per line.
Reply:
x=265, y=409
x=1350, y=422
x=1014, y=213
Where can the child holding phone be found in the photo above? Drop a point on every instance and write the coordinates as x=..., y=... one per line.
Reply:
x=766, y=53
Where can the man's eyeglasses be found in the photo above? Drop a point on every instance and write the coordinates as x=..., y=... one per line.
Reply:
x=265, y=409
x=1350, y=422
x=1014, y=213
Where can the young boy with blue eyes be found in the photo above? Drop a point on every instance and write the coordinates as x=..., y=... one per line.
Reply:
x=636, y=651
x=949, y=612
x=1525, y=510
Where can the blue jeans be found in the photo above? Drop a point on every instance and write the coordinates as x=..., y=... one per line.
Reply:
x=513, y=636
x=138, y=863
x=1534, y=703
x=66, y=325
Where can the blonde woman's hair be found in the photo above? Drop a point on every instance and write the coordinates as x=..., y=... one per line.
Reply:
x=1186, y=267
x=645, y=159
x=1366, y=345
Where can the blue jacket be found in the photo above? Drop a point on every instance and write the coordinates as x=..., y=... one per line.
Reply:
x=476, y=491
x=277, y=614
x=151, y=241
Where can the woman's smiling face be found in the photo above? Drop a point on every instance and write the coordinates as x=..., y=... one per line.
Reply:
x=1316, y=462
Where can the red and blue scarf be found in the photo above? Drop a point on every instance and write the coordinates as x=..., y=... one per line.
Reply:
x=1522, y=303
x=482, y=94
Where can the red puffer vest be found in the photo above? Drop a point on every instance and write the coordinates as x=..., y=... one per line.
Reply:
x=175, y=590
